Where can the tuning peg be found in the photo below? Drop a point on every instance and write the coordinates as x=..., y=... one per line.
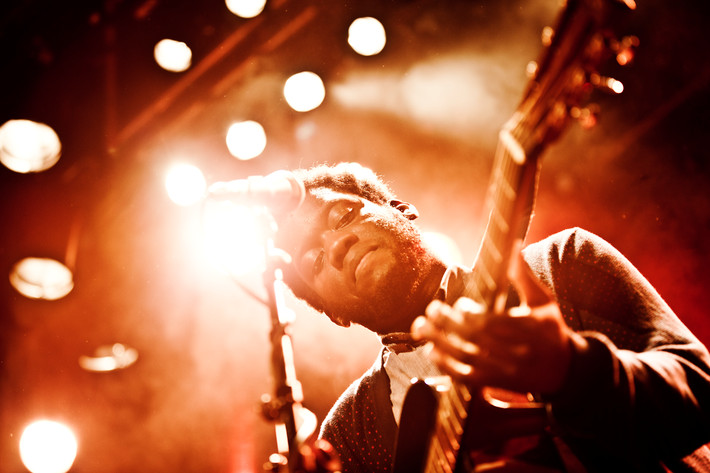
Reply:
x=587, y=117
x=625, y=49
x=531, y=69
x=608, y=84
x=546, y=38
x=547, y=35
x=630, y=4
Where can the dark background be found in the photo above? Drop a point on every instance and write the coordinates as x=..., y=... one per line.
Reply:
x=425, y=113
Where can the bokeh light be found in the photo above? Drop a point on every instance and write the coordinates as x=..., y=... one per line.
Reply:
x=234, y=238
x=173, y=56
x=41, y=278
x=304, y=91
x=246, y=140
x=109, y=358
x=48, y=447
x=28, y=146
x=366, y=36
x=246, y=8
x=443, y=246
x=185, y=184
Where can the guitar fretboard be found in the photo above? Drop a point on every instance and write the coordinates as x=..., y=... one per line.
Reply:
x=451, y=420
x=509, y=204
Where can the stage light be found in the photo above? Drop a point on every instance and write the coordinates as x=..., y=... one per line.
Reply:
x=366, y=36
x=185, y=184
x=304, y=91
x=109, y=358
x=233, y=238
x=48, y=447
x=443, y=246
x=173, y=56
x=246, y=8
x=28, y=146
x=41, y=278
x=246, y=140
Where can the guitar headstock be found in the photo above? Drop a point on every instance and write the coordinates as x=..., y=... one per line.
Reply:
x=568, y=71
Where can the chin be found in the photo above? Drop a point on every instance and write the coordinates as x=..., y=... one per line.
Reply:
x=385, y=315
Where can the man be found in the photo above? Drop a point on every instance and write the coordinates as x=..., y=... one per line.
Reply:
x=625, y=384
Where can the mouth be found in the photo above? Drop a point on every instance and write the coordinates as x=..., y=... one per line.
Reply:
x=359, y=264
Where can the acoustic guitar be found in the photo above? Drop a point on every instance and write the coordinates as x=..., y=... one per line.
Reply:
x=444, y=421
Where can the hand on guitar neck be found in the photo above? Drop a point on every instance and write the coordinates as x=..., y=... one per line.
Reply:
x=524, y=349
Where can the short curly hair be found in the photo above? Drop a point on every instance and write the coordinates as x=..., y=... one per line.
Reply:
x=351, y=178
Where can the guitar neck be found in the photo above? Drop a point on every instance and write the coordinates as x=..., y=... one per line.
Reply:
x=563, y=78
x=509, y=204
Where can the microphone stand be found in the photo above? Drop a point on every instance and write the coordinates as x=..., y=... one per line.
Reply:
x=295, y=425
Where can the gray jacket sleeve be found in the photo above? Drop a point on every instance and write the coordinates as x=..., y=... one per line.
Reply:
x=639, y=383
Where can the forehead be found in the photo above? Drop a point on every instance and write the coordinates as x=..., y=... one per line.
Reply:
x=316, y=204
x=298, y=225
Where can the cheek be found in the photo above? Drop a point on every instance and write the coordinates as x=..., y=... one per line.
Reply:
x=332, y=288
x=339, y=301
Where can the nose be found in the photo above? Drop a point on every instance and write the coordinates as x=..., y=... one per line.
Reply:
x=336, y=245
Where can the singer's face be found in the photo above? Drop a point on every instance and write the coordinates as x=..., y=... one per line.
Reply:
x=357, y=261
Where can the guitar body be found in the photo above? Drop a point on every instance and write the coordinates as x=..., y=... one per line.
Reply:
x=444, y=424
x=487, y=424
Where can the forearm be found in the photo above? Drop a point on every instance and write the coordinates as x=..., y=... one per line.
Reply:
x=655, y=402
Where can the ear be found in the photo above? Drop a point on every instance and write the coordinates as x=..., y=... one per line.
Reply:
x=408, y=210
x=339, y=322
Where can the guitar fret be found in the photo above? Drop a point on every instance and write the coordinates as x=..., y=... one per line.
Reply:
x=503, y=189
x=453, y=398
x=483, y=274
x=463, y=391
x=434, y=461
x=485, y=278
x=437, y=468
x=440, y=460
x=457, y=404
x=447, y=450
x=513, y=146
x=500, y=221
x=491, y=249
x=450, y=423
x=472, y=290
x=448, y=429
x=455, y=420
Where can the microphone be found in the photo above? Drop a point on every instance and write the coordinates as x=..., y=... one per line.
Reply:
x=280, y=191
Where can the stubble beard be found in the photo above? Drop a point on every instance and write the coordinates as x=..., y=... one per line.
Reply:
x=399, y=299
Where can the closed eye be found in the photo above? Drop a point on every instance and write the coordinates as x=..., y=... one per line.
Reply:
x=342, y=215
x=318, y=263
x=312, y=263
